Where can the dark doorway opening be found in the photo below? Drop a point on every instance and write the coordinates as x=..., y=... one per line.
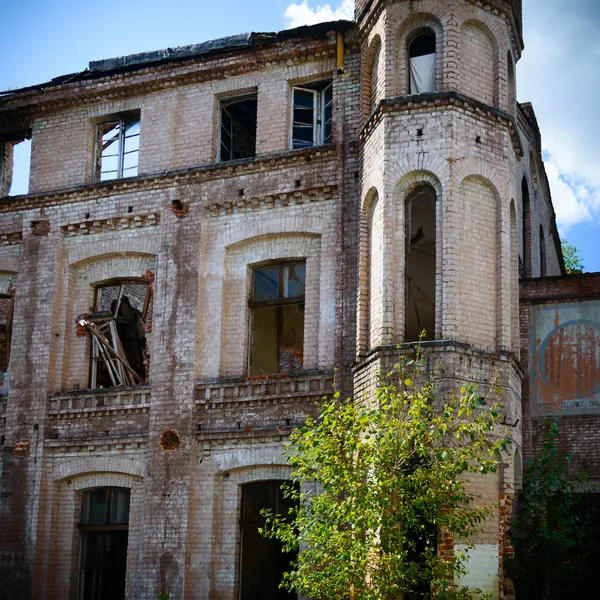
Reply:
x=262, y=561
x=103, y=553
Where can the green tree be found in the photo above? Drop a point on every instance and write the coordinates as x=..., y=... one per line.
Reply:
x=573, y=261
x=382, y=484
x=552, y=536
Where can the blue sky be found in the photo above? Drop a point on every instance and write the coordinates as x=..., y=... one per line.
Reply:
x=559, y=71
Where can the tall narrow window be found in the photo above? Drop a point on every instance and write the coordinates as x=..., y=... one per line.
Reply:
x=543, y=265
x=262, y=560
x=277, y=306
x=103, y=530
x=118, y=327
x=118, y=148
x=422, y=56
x=6, y=313
x=238, y=127
x=525, y=227
x=312, y=114
x=420, y=263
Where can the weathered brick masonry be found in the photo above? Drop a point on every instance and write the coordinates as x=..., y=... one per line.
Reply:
x=376, y=206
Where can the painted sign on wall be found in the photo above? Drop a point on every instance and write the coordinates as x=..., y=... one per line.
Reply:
x=565, y=359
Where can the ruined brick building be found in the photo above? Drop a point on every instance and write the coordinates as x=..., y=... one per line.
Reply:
x=211, y=230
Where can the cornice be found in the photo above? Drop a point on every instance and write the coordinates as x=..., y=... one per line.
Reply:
x=109, y=225
x=437, y=100
x=115, y=86
x=167, y=179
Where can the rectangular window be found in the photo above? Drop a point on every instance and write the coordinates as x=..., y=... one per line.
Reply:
x=238, y=128
x=117, y=148
x=277, y=305
x=118, y=327
x=312, y=114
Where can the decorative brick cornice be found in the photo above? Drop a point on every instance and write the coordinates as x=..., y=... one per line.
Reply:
x=166, y=179
x=440, y=100
x=156, y=78
x=98, y=444
x=255, y=203
x=108, y=225
x=10, y=239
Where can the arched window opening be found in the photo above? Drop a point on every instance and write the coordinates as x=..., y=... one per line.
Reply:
x=374, y=76
x=512, y=91
x=420, y=263
x=422, y=56
x=118, y=328
x=526, y=230
x=103, y=526
x=373, y=266
x=543, y=266
x=263, y=562
x=514, y=277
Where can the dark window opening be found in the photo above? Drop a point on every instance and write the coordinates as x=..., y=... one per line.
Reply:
x=422, y=58
x=543, y=265
x=238, y=128
x=118, y=326
x=103, y=529
x=420, y=264
x=525, y=226
x=312, y=114
x=262, y=560
x=277, y=306
x=117, y=148
x=6, y=314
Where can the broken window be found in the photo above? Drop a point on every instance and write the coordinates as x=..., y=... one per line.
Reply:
x=6, y=314
x=238, y=128
x=118, y=326
x=15, y=164
x=422, y=56
x=263, y=562
x=277, y=306
x=117, y=148
x=420, y=263
x=312, y=114
x=103, y=529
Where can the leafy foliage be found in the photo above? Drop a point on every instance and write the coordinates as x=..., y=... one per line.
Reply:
x=551, y=535
x=573, y=261
x=379, y=483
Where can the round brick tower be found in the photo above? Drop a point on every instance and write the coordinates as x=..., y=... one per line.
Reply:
x=441, y=181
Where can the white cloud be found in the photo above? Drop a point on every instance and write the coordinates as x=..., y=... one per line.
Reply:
x=297, y=15
x=560, y=74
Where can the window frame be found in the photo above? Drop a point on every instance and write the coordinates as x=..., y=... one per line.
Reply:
x=122, y=119
x=320, y=120
x=274, y=303
x=223, y=103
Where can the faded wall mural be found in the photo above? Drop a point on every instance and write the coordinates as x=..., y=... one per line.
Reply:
x=565, y=365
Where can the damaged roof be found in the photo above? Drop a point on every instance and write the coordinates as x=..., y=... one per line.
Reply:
x=132, y=62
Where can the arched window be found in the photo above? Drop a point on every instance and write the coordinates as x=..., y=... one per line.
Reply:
x=420, y=263
x=262, y=562
x=103, y=525
x=422, y=55
x=543, y=266
x=525, y=228
x=512, y=92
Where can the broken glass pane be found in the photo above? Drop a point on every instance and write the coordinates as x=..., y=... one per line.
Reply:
x=293, y=280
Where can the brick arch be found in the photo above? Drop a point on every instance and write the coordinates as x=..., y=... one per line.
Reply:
x=409, y=27
x=96, y=466
x=365, y=311
x=481, y=274
x=478, y=64
x=481, y=169
x=95, y=250
x=373, y=52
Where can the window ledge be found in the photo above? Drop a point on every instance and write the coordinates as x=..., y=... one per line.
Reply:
x=95, y=403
